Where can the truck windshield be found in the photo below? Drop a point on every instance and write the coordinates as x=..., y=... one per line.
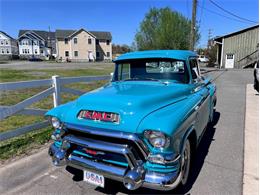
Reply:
x=152, y=70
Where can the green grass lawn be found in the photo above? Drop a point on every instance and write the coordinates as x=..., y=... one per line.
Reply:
x=22, y=144
x=10, y=75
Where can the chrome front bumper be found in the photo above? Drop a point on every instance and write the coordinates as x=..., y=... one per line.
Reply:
x=133, y=177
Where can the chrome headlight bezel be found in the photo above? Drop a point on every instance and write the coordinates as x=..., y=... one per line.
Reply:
x=56, y=123
x=157, y=138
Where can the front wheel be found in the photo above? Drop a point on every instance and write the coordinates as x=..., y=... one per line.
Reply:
x=185, y=163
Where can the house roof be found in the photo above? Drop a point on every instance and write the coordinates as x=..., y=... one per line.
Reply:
x=4, y=33
x=237, y=32
x=174, y=54
x=41, y=33
x=97, y=34
x=64, y=33
x=102, y=35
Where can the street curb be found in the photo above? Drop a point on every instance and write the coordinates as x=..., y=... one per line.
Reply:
x=251, y=143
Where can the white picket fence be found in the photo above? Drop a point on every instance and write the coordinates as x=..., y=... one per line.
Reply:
x=55, y=88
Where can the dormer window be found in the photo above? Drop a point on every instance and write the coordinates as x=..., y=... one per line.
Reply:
x=108, y=42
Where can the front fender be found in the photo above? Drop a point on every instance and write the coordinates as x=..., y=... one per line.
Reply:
x=60, y=111
x=174, y=120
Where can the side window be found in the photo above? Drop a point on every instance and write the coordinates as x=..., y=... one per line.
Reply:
x=123, y=71
x=194, y=69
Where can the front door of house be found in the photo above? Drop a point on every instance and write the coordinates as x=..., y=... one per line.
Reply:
x=230, y=60
x=90, y=56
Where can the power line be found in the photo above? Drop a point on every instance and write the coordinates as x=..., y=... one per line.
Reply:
x=241, y=18
x=216, y=13
x=188, y=9
x=203, y=4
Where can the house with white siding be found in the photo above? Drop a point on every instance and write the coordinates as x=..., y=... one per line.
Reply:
x=36, y=44
x=8, y=46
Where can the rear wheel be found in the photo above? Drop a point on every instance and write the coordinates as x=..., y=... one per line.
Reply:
x=185, y=163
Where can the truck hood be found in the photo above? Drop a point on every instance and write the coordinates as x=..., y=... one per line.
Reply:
x=131, y=100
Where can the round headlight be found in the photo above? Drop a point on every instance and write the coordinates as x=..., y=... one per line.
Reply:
x=157, y=139
x=55, y=122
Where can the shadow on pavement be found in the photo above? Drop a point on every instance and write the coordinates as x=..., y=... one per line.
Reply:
x=114, y=187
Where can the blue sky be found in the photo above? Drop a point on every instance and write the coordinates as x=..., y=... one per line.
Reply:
x=120, y=17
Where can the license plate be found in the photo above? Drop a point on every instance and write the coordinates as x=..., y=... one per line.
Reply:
x=95, y=179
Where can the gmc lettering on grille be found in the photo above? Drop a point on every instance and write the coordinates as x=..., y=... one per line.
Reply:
x=99, y=116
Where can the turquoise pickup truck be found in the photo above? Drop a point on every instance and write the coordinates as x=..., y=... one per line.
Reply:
x=142, y=127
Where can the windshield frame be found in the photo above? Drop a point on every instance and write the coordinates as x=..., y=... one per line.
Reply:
x=118, y=63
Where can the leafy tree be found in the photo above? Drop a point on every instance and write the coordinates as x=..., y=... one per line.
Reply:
x=212, y=54
x=164, y=29
x=120, y=49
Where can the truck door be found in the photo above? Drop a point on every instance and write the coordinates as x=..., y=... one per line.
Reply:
x=203, y=105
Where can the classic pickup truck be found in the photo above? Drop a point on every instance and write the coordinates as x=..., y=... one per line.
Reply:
x=141, y=128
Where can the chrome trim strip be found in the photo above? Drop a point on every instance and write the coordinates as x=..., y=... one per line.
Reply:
x=168, y=159
x=111, y=133
x=97, y=167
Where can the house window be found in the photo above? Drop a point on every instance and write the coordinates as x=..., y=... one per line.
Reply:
x=108, y=54
x=98, y=54
x=25, y=50
x=67, y=53
x=66, y=41
x=75, y=40
x=89, y=41
x=3, y=51
x=41, y=51
x=2, y=42
x=108, y=42
x=76, y=54
x=6, y=42
x=97, y=41
x=35, y=51
x=7, y=50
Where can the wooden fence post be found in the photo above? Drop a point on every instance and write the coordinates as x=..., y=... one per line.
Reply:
x=57, y=92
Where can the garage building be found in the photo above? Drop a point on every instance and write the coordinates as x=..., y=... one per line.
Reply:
x=238, y=49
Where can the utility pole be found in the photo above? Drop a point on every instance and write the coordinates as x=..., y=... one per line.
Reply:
x=193, y=25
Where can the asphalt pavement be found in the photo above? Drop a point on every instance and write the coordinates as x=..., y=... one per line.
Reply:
x=217, y=168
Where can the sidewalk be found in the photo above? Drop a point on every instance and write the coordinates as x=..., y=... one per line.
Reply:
x=251, y=143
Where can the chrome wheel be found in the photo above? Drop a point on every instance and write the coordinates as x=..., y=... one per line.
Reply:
x=185, y=165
